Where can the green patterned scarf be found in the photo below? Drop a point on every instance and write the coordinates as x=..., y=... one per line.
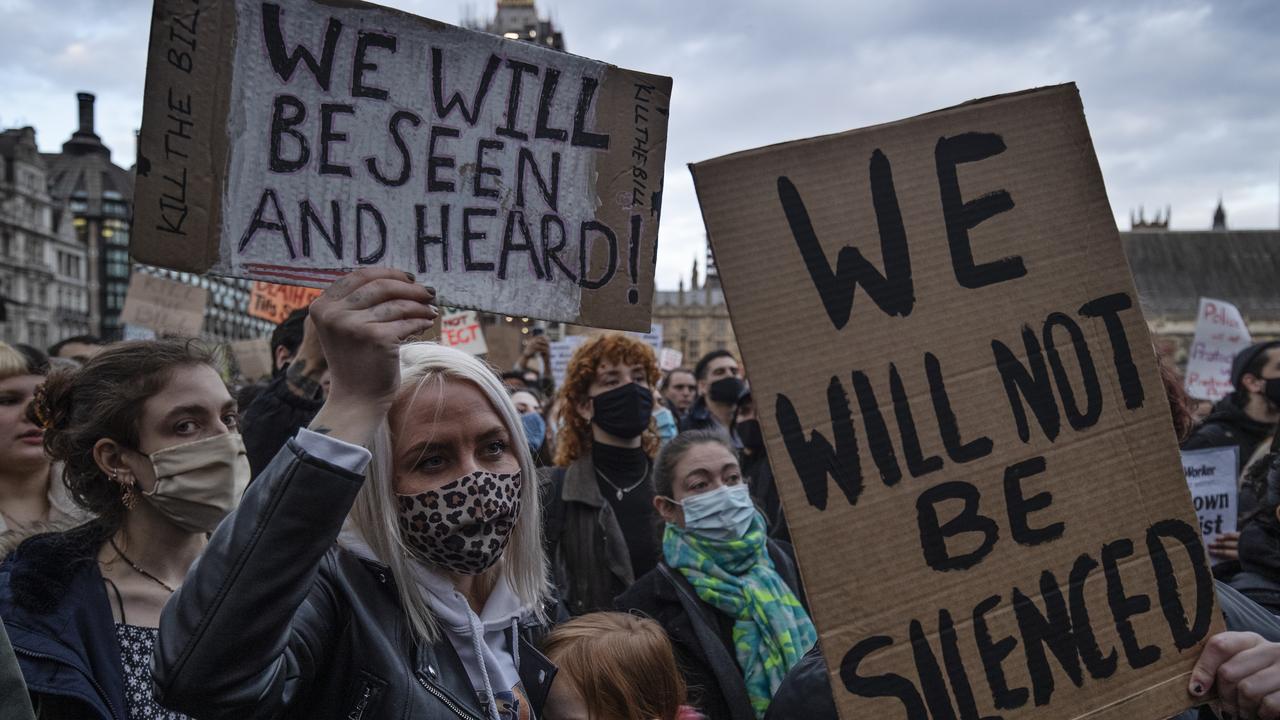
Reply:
x=771, y=630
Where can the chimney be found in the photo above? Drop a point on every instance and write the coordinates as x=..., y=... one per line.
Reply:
x=86, y=112
x=84, y=140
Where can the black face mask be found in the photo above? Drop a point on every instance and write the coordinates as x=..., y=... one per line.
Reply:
x=623, y=411
x=726, y=390
x=750, y=434
x=1272, y=390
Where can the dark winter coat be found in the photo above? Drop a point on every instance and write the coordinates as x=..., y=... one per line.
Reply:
x=805, y=694
x=1259, y=579
x=274, y=416
x=275, y=620
x=56, y=612
x=702, y=636
x=588, y=554
x=1229, y=425
x=764, y=490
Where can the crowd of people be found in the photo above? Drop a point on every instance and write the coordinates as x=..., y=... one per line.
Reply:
x=392, y=528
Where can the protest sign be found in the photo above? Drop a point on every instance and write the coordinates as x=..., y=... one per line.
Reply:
x=461, y=330
x=253, y=357
x=137, y=332
x=166, y=306
x=669, y=359
x=967, y=427
x=274, y=302
x=1220, y=334
x=561, y=352
x=653, y=338
x=293, y=143
x=1211, y=475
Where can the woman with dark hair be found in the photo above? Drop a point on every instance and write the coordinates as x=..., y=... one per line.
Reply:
x=31, y=497
x=147, y=433
x=727, y=595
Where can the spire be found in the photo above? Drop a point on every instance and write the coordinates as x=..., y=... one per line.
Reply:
x=1220, y=216
x=693, y=279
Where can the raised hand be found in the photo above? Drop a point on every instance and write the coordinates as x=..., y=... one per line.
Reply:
x=361, y=319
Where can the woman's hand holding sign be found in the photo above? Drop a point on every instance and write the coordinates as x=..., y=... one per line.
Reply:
x=1244, y=669
x=361, y=320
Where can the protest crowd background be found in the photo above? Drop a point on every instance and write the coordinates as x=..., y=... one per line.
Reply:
x=446, y=451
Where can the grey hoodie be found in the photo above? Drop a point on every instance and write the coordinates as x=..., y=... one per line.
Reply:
x=487, y=643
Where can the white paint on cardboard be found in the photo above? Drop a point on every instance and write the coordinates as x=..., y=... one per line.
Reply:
x=406, y=76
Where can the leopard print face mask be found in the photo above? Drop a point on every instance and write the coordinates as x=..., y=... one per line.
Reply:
x=465, y=525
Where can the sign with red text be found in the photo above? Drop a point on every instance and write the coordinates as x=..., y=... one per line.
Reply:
x=167, y=307
x=292, y=142
x=966, y=423
x=461, y=330
x=1220, y=334
x=275, y=302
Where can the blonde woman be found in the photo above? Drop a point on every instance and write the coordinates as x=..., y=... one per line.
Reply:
x=32, y=498
x=388, y=563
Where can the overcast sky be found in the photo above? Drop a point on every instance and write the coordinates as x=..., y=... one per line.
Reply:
x=1182, y=98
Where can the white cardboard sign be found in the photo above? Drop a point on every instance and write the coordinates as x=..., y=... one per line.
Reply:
x=292, y=142
x=461, y=330
x=1220, y=334
x=1211, y=475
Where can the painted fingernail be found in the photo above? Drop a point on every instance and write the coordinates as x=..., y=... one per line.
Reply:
x=408, y=276
x=1197, y=689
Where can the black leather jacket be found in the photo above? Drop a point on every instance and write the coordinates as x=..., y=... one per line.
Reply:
x=275, y=620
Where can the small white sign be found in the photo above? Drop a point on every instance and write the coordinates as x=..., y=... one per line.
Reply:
x=1211, y=475
x=1220, y=334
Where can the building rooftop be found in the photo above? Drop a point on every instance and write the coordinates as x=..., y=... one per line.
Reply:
x=1173, y=269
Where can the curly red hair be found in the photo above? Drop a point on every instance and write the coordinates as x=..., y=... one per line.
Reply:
x=574, y=438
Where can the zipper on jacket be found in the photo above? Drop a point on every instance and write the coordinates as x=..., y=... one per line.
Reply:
x=444, y=699
x=106, y=699
x=358, y=711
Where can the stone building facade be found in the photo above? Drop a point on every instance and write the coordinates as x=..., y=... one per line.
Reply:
x=99, y=194
x=695, y=320
x=45, y=280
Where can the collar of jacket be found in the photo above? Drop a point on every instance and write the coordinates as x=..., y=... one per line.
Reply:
x=58, y=617
x=580, y=483
x=442, y=673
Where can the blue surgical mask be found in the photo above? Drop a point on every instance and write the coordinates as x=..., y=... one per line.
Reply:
x=722, y=514
x=535, y=430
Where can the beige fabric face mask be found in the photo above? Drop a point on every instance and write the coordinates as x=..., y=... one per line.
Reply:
x=199, y=483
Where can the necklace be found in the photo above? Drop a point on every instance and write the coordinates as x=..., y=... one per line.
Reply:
x=139, y=570
x=624, y=490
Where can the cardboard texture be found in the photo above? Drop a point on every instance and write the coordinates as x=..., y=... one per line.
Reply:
x=253, y=357
x=1220, y=334
x=274, y=302
x=967, y=552
x=166, y=306
x=293, y=142
x=461, y=330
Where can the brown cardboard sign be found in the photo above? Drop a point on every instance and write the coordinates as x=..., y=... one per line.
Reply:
x=966, y=423
x=292, y=142
x=253, y=357
x=166, y=306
